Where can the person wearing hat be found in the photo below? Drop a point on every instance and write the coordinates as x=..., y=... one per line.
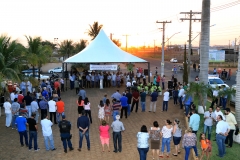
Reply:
x=118, y=128
x=65, y=127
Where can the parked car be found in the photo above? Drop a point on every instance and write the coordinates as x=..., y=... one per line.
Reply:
x=214, y=80
x=174, y=60
x=30, y=70
x=55, y=70
x=233, y=98
x=42, y=77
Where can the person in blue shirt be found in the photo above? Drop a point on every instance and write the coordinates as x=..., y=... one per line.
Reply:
x=187, y=99
x=124, y=104
x=143, y=100
x=21, y=123
x=194, y=121
x=175, y=96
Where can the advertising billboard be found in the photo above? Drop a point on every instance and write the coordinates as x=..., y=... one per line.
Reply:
x=216, y=56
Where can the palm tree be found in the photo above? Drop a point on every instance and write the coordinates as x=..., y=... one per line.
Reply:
x=228, y=92
x=11, y=58
x=66, y=48
x=117, y=42
x=204, y=44
x=36, y=53
x=94, y=30
x=198, y=91
x=79, y=46
x=52, y=45
x=237, y=105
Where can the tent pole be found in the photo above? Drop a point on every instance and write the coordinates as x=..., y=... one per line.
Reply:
x=148, y=72
x=62, y=70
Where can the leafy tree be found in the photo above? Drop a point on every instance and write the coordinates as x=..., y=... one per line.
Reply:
x=11, y=58
x=94, y=30
x=228, y=92
x=52, y=45
x=185, y=72
x=66, y=48
x=79, y=46
x=117, y=42
x=36, y=53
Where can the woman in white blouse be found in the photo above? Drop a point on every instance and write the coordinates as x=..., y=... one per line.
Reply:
x=142, y=139
x=87, y=108
x=166, y=134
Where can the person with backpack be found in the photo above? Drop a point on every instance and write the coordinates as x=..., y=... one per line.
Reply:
x=65, y=127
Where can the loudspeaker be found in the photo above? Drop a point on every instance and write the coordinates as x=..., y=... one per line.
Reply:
x=66, y=74
x=170, y=84
x=145, y=71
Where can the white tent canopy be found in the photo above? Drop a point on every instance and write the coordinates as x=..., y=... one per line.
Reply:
x=102, y=50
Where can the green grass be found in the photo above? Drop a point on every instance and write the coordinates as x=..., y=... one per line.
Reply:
x=231, y=153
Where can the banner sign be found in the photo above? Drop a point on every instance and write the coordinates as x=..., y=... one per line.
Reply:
x=216, y=56
x=103, y=67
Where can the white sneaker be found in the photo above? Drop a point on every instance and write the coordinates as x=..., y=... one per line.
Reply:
x=37, y=149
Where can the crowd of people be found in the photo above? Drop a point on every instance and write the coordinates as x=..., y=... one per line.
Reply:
x=22, y=107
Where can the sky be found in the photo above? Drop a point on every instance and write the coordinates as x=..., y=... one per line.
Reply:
x=137, y=18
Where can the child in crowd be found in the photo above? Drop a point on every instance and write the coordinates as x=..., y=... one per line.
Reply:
x=101, y=112
x=206, y=146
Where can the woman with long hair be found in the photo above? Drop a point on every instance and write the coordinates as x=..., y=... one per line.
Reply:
x=142, y=142
x=177, y=134
x=166, y=137
x=80, y=103
x=107, y=110
x=87, y=108
x=101, y=112
x=155, y=138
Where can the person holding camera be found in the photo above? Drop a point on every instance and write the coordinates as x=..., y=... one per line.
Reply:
x=65, y=127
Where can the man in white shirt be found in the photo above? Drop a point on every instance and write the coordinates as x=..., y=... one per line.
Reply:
x=62, y=84
x=209, y=118
x=52, y=109
x=222, y=131
x=12, y=96
x=231, y=120
x=165, y=100
x=113, y=79
x=218, y=112
x=29, y=86
x=8, y=112
x=215, y=96
x=128, y=84
x=180, y=95
x=47, y=133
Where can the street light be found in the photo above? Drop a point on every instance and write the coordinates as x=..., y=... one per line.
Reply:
x=162, y=63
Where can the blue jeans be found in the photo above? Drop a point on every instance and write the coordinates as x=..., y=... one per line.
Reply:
x=166, y=141
x=33, y=135
x=143, y=106
x=187, y=151
x=129, y=109
x=8, y=119
x=36, y=117
x=180, y=102
x=50, y=138
x=143, y=153
x=224, y=103
x=113, y=83
x=117, y=141
x=29, y=109
x=92, y=84
x=23, y=134
x=81, y=138
x=58, y=116
x=14, y=117
x=118, y=83
x=165, y=106
x=65, y=137
x=187, y=107
x=209, y=128
x=114, y=114
x=221, y=145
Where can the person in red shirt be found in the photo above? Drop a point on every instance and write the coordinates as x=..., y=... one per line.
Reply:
x=104, y=134
x=20, y=98
x=135, y=96
x=60, y=108
x=56, y=84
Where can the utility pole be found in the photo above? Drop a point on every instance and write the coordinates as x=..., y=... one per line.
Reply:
x=189, y=16
x=154, y=46
x=163, y=43
x=126, y=40
x=234, y=50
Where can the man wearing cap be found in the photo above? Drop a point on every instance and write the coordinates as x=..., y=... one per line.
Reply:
x=35, y=107
x=43, y=104
x=117, y=127
x=65, y=127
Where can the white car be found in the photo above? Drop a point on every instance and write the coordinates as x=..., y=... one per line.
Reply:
x=174, y=60
x=214, y=80
x=55, y=70
x=42, y=77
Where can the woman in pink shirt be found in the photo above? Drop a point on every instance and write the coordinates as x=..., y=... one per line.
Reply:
x=104, y=134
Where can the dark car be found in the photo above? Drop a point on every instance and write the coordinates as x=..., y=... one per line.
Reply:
x=30, y=70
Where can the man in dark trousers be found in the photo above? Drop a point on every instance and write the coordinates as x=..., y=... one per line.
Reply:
x=83, y=126
x=135, y=96
x=65, y=127
x=129, y=96
x=32, y=132
x=124, y=105
x=118, y=128
x=21, y=123
x=43, y=105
